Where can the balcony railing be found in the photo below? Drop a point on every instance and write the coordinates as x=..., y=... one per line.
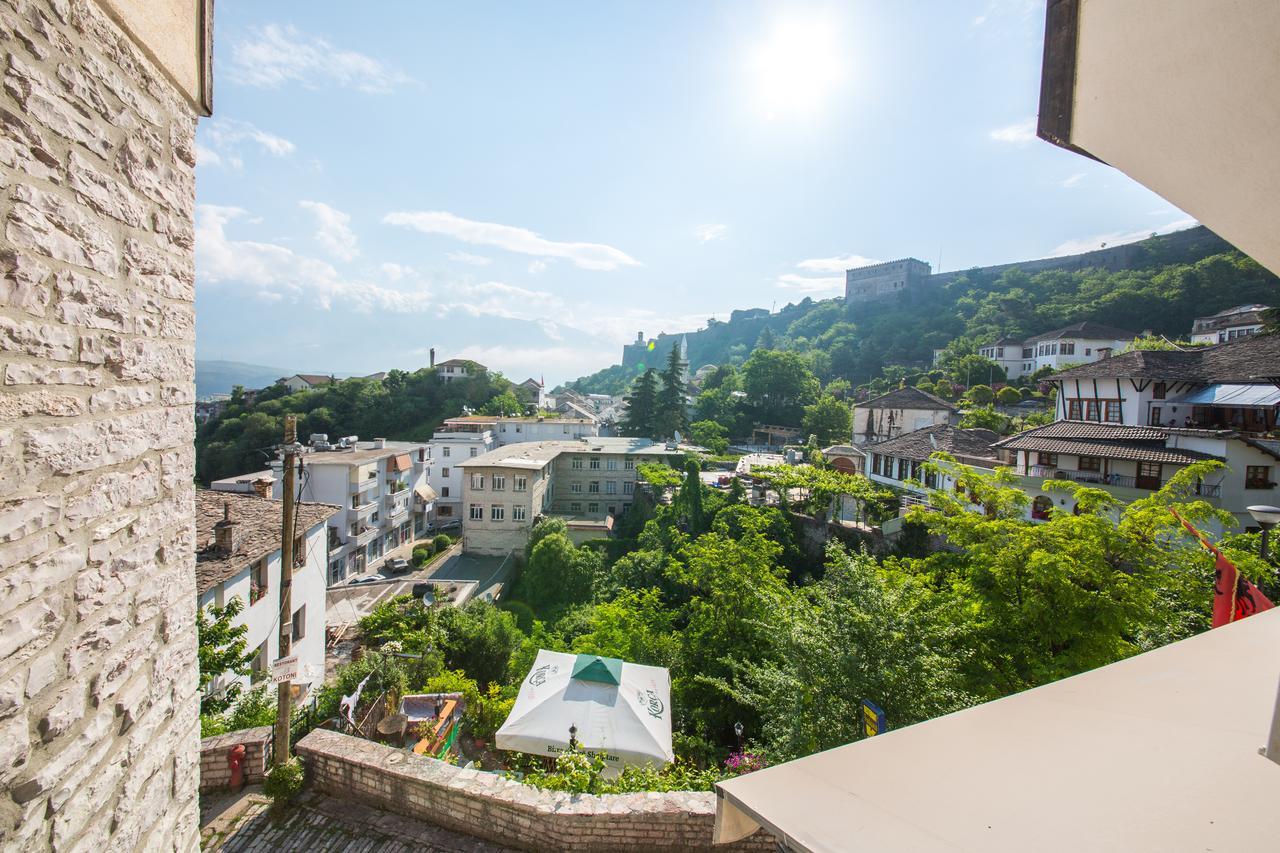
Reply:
x=1097, y=478
x=363, y=485
x=365, y=536
x=365, y=509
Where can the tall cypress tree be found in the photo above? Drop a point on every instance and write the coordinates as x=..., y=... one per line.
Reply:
x=673, y=416
x=642, y=406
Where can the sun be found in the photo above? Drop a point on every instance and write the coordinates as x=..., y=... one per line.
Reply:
x=796, y=66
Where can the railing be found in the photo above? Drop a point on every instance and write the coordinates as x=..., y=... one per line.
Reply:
x=364, y=509
x=362, y=485
x=1124, y=481
x=365, y=536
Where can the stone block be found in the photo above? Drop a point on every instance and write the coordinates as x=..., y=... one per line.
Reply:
x=58, y=229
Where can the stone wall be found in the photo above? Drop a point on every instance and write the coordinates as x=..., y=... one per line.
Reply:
x=507, y=812
x=98, y=709
x=215, y=772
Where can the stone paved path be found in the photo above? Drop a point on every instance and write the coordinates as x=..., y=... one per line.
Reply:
x=320, y=824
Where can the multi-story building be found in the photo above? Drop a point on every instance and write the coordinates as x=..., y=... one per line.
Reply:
x=900, y=411
x=508, y=430
x=458, y=440
x=590, y=482
x=1242, y=321
x=238, y=556
x=304, y=381
x=1081, y=343
x=384, y=498
x=457, y=369
x=899, y=459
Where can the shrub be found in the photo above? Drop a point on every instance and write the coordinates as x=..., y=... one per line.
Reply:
x=421, y=554
x=283, y=782
x=522, y=612
x=441, y=542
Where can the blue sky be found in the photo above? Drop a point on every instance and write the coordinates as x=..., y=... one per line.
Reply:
x=529, y=185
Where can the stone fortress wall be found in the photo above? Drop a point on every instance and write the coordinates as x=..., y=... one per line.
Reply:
x=99, y=728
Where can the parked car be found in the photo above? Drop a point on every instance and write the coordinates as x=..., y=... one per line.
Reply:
x=367, y=579
x=397, y=565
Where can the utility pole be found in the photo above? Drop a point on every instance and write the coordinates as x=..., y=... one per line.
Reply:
x=284, y=695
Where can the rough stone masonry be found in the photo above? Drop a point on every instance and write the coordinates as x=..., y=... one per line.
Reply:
x=99, y=733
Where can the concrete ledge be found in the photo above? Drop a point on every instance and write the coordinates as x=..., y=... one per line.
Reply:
x=516, y=815
x=215, y=772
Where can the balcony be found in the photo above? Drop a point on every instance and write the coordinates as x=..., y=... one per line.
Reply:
x=364, y=536
x=1121, y=481
x=363, y=485
x=364, y=510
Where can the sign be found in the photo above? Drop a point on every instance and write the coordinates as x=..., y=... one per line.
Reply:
x=872, y=718
x=285, y=669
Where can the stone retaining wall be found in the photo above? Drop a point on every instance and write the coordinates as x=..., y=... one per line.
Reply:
x=215, y=772
x=507, y=812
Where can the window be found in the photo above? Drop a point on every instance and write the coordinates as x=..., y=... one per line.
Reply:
x=1049, y=460
x=595, y=463
x=611, y=487
x=477, y=512
x=299, y=623
x=1028, y=352
x=1090, y=463
x=422, y=454
x=594, y=487
x=1053, y=349
x=444, y=512
x=499, y=482
x=576, y=462
x=1069, y=348
x=521, y=484
x=1073, y=410
x=1257, y=477
x=446, y=451
x=629, y=464
x=575, y=507
x=593, y=508
x=518, y=426
x=258, y=583
x=1088, y=351
x=477, y=481
x=258, y=668
x=628, y=488
x=612, y=464
x=1091, y=410
x=575, y=487
x=1114, y=412
x=444, y=491
x=519, y=513
x=497, y=512
x=1156, y=414
x=1159, y=390
x=444, y=472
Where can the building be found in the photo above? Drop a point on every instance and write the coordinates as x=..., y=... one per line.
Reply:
x=238, y=556
x=212, y=407
x=878, y=281
x=845, y=458
x=516, y=430
x=589, y=482
x=900, y=411
x=1081, y=343
x=893, y=462
x=457, y=368
x=1241, y=321
x=457, y=440
x=261, y=483
x=304, y=381
x=383, y=496
x=533, y=390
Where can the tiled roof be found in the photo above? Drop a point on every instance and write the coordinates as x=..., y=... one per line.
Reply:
x=841, y=450
x=1244, y=361
x=922, y=443
x=1112, y=441
x=259, y=520
x=1240, y=315
x=1094, y=430
x=908, y=398
x=1088, y=330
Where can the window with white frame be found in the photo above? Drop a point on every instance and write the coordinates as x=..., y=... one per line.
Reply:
x=474, y=452
x=446, y=451
x=575, y=507
x=611, y=487
x=593, y=508
x=629, y=464
x=575, y=462
x=594, y=487
x=444, y=472
x=497, y=512
x=595, y=463
x=499, y=482
x=477, y=481
x=519, y=513
x=575, y=488
x=477, y=512
x=628, y=487
x=611, y=464
x=520, y=484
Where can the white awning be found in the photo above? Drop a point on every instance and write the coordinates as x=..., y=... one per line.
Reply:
x=1241, y=396
x=1157, y=752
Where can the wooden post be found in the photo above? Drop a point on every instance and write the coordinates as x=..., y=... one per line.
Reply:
x=284, y=695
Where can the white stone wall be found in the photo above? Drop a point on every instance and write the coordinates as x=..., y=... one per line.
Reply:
x=99, y=737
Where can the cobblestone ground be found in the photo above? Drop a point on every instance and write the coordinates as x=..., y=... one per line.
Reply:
x=320, y=824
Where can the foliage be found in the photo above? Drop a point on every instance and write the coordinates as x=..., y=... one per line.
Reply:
x=222, y=650
x=387, y=675
x=558, y=574
x=739, y=763
x=658, y=474
x=441, y=542
x=641, y=416
x=478, y=639
x=830, y=420
x=709, y=434
x=982, y=395
x=985, y=417
x=971, y=369
x=672, y=416
x=283, y=782
x=255, y=707
x=1007, y=396
x=506, y=403
x=779, y=385
x=491, y=710
x=818, y=489
x=577, y=772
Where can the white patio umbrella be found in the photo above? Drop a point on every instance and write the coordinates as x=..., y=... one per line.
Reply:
x=620, y=711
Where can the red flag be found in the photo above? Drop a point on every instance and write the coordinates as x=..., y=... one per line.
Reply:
x=1234, y=595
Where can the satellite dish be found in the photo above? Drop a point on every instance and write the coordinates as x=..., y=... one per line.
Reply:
x=677, y=436
x=428, y=599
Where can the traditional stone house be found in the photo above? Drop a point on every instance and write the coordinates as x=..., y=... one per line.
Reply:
x=304, y=381
x=1242, y=321
x=897, y=460
x=900, y=411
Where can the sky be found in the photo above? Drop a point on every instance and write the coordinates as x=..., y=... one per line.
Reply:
x=530, y=185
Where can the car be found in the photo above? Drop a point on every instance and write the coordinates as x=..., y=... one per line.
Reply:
x=397, y=565
x=367, y=579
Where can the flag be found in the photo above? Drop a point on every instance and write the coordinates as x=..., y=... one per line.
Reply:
x=1234, y=595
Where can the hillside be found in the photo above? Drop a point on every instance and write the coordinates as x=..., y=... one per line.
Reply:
x=219, y=377
x=1159, y=284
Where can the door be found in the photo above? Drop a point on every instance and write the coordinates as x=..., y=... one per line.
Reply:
x=1148, y=475
x=1155, y=416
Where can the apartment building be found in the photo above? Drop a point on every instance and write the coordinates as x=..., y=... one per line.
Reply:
x=238, y=556
x=589, y=482
x=457, y=369
x=457, y=440
x=900, y=411
x=509, y=430
x=1242, y=321
x=384, y=498
x=1080, y=343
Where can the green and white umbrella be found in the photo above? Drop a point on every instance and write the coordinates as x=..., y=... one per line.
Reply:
x=620, y=711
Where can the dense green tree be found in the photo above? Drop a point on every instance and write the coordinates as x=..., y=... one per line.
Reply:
x=830, y=420
x=975, y=369
x=980, y=395
x=636, y=625
x=778, y=385
x=479, y=639
x=691, y=495
x=673, y=415
x=985, y=417
x=221, y=651
x=558, y=575
x=711, y=435
x=1008, y=396
x=642, y=414
x=506, y=403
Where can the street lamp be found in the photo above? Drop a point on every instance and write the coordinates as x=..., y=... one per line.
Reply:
x=1267, y=518
x=737, y=730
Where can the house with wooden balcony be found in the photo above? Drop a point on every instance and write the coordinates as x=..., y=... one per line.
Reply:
x=899, y=462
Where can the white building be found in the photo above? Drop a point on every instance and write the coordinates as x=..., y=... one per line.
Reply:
x=238, y=555
x=384, y=498
x=534, y=390
x=518, y=430
x=304, y=381
x=458, y=440
x=260, y=483
x=893, y=462
x=1242, y=321
x=457, y=368
x=900, y=411
x=1081, y=343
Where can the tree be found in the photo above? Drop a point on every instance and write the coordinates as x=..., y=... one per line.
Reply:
x=830, y=420
x=641, y=417
x=710, y=435
x=479, y=639
x=972, y=369
x=558, y=575
x=1009, y=396
x=778, y=385
x=221, y=652
x=691, y=497
x=505, y=403
x=673, y=415
x=985, y=417
x=981, y=395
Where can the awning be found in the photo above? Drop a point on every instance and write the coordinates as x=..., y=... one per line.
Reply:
x=1241, y=396
x=425, y=493
x=400, y=462
x=1157, y=752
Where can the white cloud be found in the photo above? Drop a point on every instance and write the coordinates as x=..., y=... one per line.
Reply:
x=839, y=263
x=395, y=272
x=274, y=55
x=226, y=139
x=1019, y=133
x=537, y=267
x=1072, y=180
x=591, y=256
x=707, y=233
x=518, y=362
x=468, y=258
x=1117, y=238
x=333, y=231
x=207, y=156
x=810, y=285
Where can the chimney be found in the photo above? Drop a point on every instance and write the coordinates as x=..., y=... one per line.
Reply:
x=262, y=487
x=226, y=533
x=639, y=337
x=433, y=356
x=379, y=443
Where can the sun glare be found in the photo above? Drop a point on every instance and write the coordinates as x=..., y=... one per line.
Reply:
x=795, y=67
